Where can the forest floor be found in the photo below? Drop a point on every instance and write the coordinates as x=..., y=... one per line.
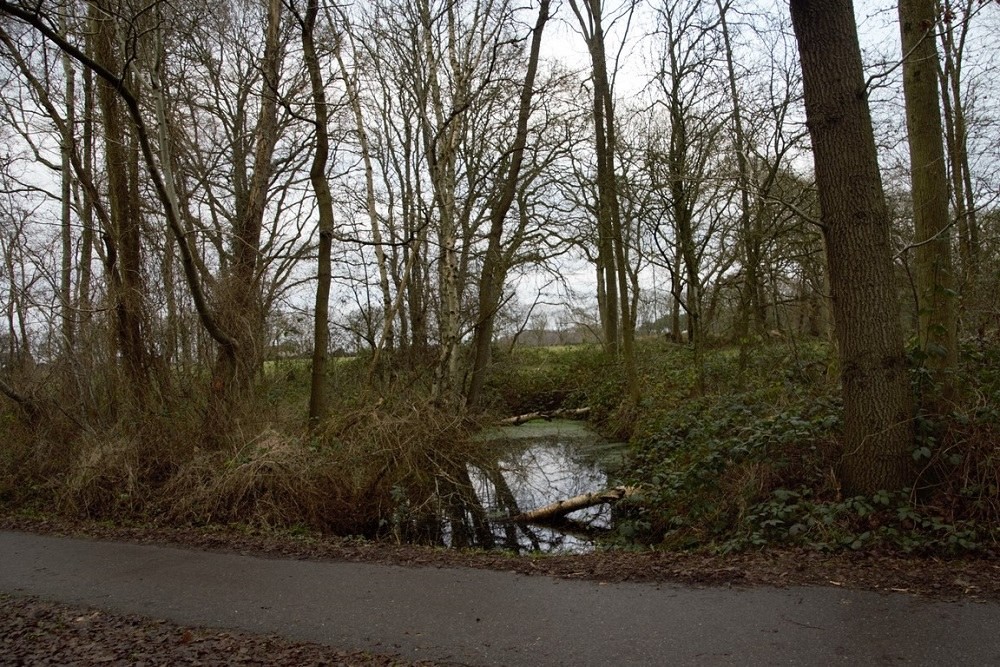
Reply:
x=36, y=632
x=39, y=632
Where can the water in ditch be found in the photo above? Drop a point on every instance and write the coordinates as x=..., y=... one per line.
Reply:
x=531, y=466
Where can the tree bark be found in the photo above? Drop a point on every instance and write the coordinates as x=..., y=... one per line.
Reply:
x=563, y=507
x=878, y=407
x=318, y=399
x=929, y=185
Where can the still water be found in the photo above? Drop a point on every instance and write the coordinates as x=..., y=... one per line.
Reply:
x=536, y=464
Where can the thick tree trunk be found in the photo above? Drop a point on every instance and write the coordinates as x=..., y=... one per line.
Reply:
x=878, y=407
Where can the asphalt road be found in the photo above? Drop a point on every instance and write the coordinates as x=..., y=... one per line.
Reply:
x=498, y=618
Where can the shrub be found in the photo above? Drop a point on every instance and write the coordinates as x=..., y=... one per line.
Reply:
x=270, y=481
x=532, y=379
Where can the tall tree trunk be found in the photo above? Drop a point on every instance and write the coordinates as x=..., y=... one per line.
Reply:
x=963, y=195
x=935, y=276
x=318, y=399
x=67, y=305
x=878, y=407
x=442, y=132
x=494, y=271
x=590, y=21
x=84, y=299
x=617, y=320
x=241, y=306
x=123, y=240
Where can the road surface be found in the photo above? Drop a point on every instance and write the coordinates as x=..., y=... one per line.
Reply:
x=484, y=617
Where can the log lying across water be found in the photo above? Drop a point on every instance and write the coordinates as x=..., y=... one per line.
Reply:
x=564, y=507
x=567, y=413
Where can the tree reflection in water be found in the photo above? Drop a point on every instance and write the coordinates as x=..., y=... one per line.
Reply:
x=533, y=467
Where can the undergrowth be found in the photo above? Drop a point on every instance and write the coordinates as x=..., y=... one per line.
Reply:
x=381, y=465
x=539, y=379
x=739, y=452
x=752, y=462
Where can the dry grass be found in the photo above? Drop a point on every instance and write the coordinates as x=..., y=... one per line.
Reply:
x=406, y=461
x=270, y=480
x=94, y=449
x=118, y=472
x=366, y=471
x=106, y=456
x=108, y=477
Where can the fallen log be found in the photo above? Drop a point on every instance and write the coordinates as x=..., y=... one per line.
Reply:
x=564, y=507
x=547, y=415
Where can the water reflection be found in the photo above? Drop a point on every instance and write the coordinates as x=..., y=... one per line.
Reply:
x=530, y=466
x=531, y=475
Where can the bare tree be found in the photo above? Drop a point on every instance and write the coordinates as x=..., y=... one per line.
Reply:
x=957, y=19
x=495, y=264
x=318, y=397
x=615, y=306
